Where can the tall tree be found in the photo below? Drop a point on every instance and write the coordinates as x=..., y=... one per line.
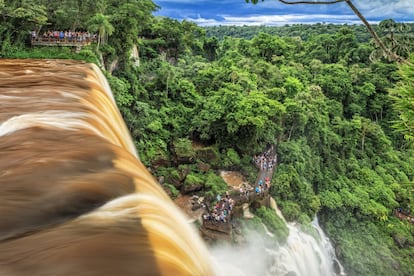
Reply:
x=100, y=23
x=403, y=95
x=18, y=19
x=396, y=37
x=71, y=14
x=129, y=18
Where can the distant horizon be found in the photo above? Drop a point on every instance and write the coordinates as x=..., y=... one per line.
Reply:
x=274, y=13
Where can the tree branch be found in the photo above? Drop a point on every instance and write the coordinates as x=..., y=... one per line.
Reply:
x=310, y=2
x=378, y=40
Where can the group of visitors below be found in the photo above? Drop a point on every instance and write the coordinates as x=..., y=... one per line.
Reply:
x=71, y=36
x=266, y=161
x=222, y=210
x=261, y=187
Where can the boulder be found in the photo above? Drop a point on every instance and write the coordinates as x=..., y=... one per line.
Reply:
x=203, y=167
x=212, y=235
x=190, y=188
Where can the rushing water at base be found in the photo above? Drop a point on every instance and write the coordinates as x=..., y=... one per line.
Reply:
x=301, y=255
x=304, y=255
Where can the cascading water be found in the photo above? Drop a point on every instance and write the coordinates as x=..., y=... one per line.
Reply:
x=304, y=254
x=74, y=197
x=301, y=255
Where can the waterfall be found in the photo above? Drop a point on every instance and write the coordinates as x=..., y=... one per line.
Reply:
x=304, y=254
x=74, y=197
x=301, y=255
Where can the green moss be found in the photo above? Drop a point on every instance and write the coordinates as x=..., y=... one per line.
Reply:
x=274, y=223
x=291, y=210
x=215, y=185
x=173, y=191
x=183, y=148
x=209, y=155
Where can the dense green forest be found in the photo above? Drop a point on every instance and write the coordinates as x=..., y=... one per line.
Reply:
x=197, y=100
x=304, y=31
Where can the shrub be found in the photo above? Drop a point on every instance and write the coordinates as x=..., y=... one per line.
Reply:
x=231, y=159
x=173, y=191
x=194, y=179
x=214, y=185
x=291, y=210
x=183, y=148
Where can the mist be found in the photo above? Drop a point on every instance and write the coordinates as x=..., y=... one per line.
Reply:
x=249, y=259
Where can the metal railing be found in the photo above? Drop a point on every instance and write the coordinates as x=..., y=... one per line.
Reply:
x=67, y=41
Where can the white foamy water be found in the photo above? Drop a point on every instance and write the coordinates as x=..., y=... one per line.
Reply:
x=304, y=254
x=301, y=255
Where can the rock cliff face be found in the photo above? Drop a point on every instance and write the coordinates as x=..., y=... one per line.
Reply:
x=214, y=232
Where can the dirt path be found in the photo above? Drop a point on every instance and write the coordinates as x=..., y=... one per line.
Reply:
x=185, y=204
x=234, y=179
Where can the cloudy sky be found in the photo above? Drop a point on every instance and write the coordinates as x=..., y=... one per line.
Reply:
x=273, y=12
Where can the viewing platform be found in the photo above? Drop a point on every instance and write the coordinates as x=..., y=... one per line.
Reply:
x=76, y=42
x=217, y=221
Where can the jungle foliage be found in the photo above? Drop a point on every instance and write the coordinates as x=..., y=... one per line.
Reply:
x=341, y=121
x=302, y=31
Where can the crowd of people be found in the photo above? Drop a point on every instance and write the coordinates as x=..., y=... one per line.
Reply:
x=70, y=36
x=266, y=161
x=221, y=212
x=261, y=187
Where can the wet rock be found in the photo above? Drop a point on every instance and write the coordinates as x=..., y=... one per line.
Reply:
x=197, y=202
x=189, y=188
x=196, y=206
x=336, y=267
x=175, y=180
x=168, y=191
x=204, y=167
x=160, y=162
x=211, y=234
x=338, y=251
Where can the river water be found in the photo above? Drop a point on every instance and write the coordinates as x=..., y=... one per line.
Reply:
x=74, y=197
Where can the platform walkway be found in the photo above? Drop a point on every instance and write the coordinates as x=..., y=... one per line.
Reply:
x=247, y=196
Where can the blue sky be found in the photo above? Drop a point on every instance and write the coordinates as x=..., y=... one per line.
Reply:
x=274, y=13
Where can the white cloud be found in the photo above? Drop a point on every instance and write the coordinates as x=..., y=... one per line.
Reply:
x=174, y=1
x=273, y=12
x=387, y=8
x=278, y=20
